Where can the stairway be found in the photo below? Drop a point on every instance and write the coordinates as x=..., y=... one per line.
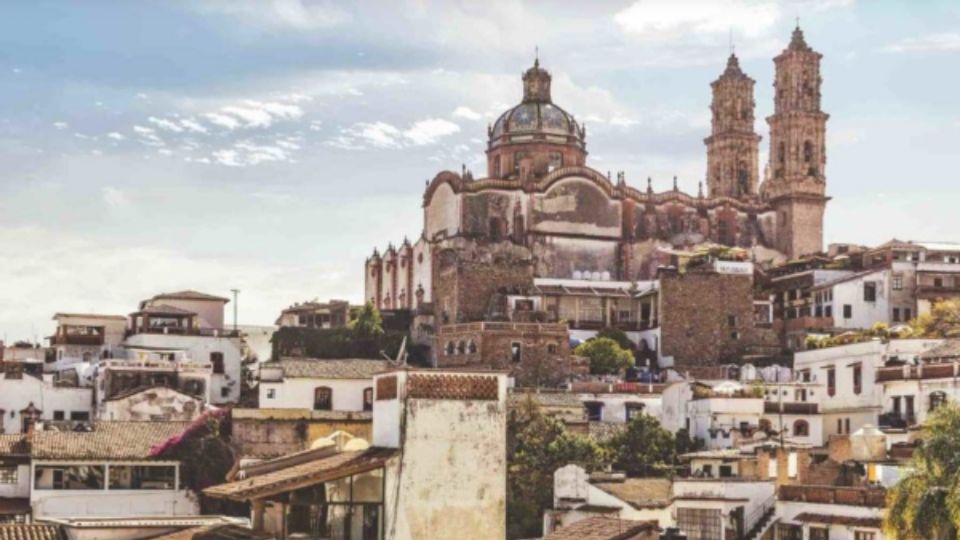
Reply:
x=762, y=525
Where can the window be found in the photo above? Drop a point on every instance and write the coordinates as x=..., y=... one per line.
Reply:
x=68, y=477
x=350, y=507
x=323, y=398
x=773, y=467
x=555, y=160
x=847, y=311
x=870, y=291
x=907, y=314
x=271, y=393
x=224, y=391
x=938, y=283
x=8, y=475
x=700, y=523
x=898, y=282
x=896, y=314
x=472, y=347
x=846, y=425
x=857, y=379
x=937, y=399
x=792, y=465
x=80, y=416
x=368, y=399
x=632, y=410
x=863, y=535
x=143, y=477
x=58, y=415
x=462, y=347
x=552, y=348
x=450, y=348
x=819, y=533
x=516, y=351
x=831, y=381
x=801, y=428
x=216, y=358
x=594, y=410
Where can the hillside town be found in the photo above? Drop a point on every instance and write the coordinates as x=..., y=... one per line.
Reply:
x=561, y=354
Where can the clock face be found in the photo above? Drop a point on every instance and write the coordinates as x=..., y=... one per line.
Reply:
x=525, y=117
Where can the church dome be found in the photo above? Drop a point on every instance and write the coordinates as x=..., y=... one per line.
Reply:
x=536, y=129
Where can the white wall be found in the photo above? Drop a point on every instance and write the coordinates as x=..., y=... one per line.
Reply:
x=17, y=394
x=864, y=314
x=21, y=489
x=198, y=349
x=298, y=393
x=787, y=511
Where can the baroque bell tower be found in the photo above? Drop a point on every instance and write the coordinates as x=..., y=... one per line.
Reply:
x=732, y=147
x=796, y=186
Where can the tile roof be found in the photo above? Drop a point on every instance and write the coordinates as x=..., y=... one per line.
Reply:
x=165, y=309
x=315, y=368
x=30, y=531
x=107, y=440
x=313, y=472
x=91, y=316
x=639, y=492
x=272, y=415
x=217, y=532
x=603, y=528
x=950, y=348
x=189, y=295
x=546, y=399
x=833, y=519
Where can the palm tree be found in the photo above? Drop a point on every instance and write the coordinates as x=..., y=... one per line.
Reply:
x=925, y=504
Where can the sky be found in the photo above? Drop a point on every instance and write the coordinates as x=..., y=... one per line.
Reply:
x=270, y=145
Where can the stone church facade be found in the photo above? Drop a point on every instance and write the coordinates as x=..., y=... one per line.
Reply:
x=542, y=212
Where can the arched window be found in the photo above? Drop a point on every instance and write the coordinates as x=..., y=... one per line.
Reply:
x=462, y=347
x=781, y=153
x=450, y=348
x=472, y=347
x=323, y=398
x=801, y=428
x=368, y=399
x=937, y=399
x=807, y=151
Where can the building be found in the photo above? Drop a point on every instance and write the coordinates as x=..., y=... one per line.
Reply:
x=84, y=338
x=319, y=385
x=428, y=427
x=604, y=528
x=108, y=470
x=27, y=399
x=270, y=433
x=313, y=314
x=828, y=512
x=167, y=374
x=912, y=388
x=151, y=404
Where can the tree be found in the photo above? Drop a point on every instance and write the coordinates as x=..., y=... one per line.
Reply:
x=644, y=448
x=686, y=444
x=942, y=321
x=538, y=446
x=368, y=323
x=925, y=503
x=619, y=336
x=605, y=355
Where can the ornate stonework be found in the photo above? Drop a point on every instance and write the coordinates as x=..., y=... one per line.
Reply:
x=732, y=147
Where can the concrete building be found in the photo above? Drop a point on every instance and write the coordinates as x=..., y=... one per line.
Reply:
x=319, y=385
x=313, y=314
x=429, y=426
x=912, y=389
x=84, y=338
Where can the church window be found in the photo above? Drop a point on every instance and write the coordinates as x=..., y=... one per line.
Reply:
x=496, y=166
x=450, y=348
x=496, y=229
x=462, y=347
x=781, y=153
x=472, y=347
x=555, y=160
x=807, y=151
x=516, y=351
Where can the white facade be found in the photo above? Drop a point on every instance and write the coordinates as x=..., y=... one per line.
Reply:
x=620, y=408
x=298, y=393
x=53, y=402
x=852, y=398
x=787, y=512
x=224, y=385
x=50, y=497
x=721, y=421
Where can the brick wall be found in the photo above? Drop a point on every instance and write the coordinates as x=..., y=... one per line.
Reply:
x=466, y=282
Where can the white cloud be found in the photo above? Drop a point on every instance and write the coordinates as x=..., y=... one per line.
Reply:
x=143, y=130
x=467, y=112
x=114, y=198
x=192, y=125
x=165, y=152
x=378, y=134
x=222, y=120
x=246, y=153
x=428, y=131
x=945, y=42
x=116, y=136
x=699, y=16
x=165, y=124
x=61, y=125
x=280, y=14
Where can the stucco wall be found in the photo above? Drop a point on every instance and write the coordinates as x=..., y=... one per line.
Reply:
x=18, y=394
x=298, y=393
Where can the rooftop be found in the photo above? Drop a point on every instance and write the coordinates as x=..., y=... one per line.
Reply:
x=315, y=368
x=639, y=492
x=189, y=295
x=603, y=528
x=30, y=531
x=106, y=441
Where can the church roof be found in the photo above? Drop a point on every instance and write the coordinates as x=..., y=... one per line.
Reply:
x=536, y=113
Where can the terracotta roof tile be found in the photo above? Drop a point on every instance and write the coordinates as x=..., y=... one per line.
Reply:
x=603, y=528
x=947, y=350
x=107, y=440
x=217, y=532
x=640, y=492
x=30, y=531
x=189, y=295
x=315, y=368
x=833, y=519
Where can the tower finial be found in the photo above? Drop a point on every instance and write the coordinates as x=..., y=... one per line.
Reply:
x=675, y=182
x=536, y=55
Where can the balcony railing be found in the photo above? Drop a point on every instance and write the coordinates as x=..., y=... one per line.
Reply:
x=923, y=371
x=896, y=420
x=185, y=331
x=872, y=497
x=790, y=407
x=76, y=339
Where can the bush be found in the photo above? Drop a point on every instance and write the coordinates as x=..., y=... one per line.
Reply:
x=606, y=356
x=334, y=343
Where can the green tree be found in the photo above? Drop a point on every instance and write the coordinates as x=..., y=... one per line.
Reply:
x=644, y=448
x=368, y=323
x=925, y=503
x=605, y=355
x=942, y=321
x=617, y=335
x=538, y=446
x=686, y=444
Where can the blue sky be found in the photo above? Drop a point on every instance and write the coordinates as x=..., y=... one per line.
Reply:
x=270, y=145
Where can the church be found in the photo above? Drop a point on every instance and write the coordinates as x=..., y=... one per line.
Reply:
x=542, y=212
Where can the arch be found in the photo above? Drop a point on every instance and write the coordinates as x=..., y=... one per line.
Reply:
x=462, y=347
x=807, y=151
x=801, y=428
x=323, y=398
x=450, y=348
x=472, y=347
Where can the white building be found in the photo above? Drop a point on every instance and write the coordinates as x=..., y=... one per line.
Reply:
x=724, y=413
x=319, y=384
x=84, y=338
x=26, y=399
x=712, y=509
x=852, y=399
x=911, y=390
x=107, y=471
x=829, y=513
x=792, y=408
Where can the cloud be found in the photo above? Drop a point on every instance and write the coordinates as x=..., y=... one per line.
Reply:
x=114, y=198
x=61, y=125
x=246, y=153
x=699, y=16
x=300, y=15
x=945, y=42
x=116, y=136
x=143, y=130
x=164, y=124
x=467, y=112
x=222, y=120
x=192, y=125
x=378, y=134
x=428, y=131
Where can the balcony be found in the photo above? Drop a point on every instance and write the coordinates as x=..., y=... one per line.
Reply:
x=790, y=407
x=921, y=372
x=870, y=497
x=93, y=340
x=185, y=331
x=896, y=420
x=932, y=291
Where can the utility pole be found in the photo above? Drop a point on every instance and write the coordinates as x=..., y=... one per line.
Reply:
x=235, y=293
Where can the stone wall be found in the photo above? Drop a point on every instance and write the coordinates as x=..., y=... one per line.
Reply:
x=265, y=433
